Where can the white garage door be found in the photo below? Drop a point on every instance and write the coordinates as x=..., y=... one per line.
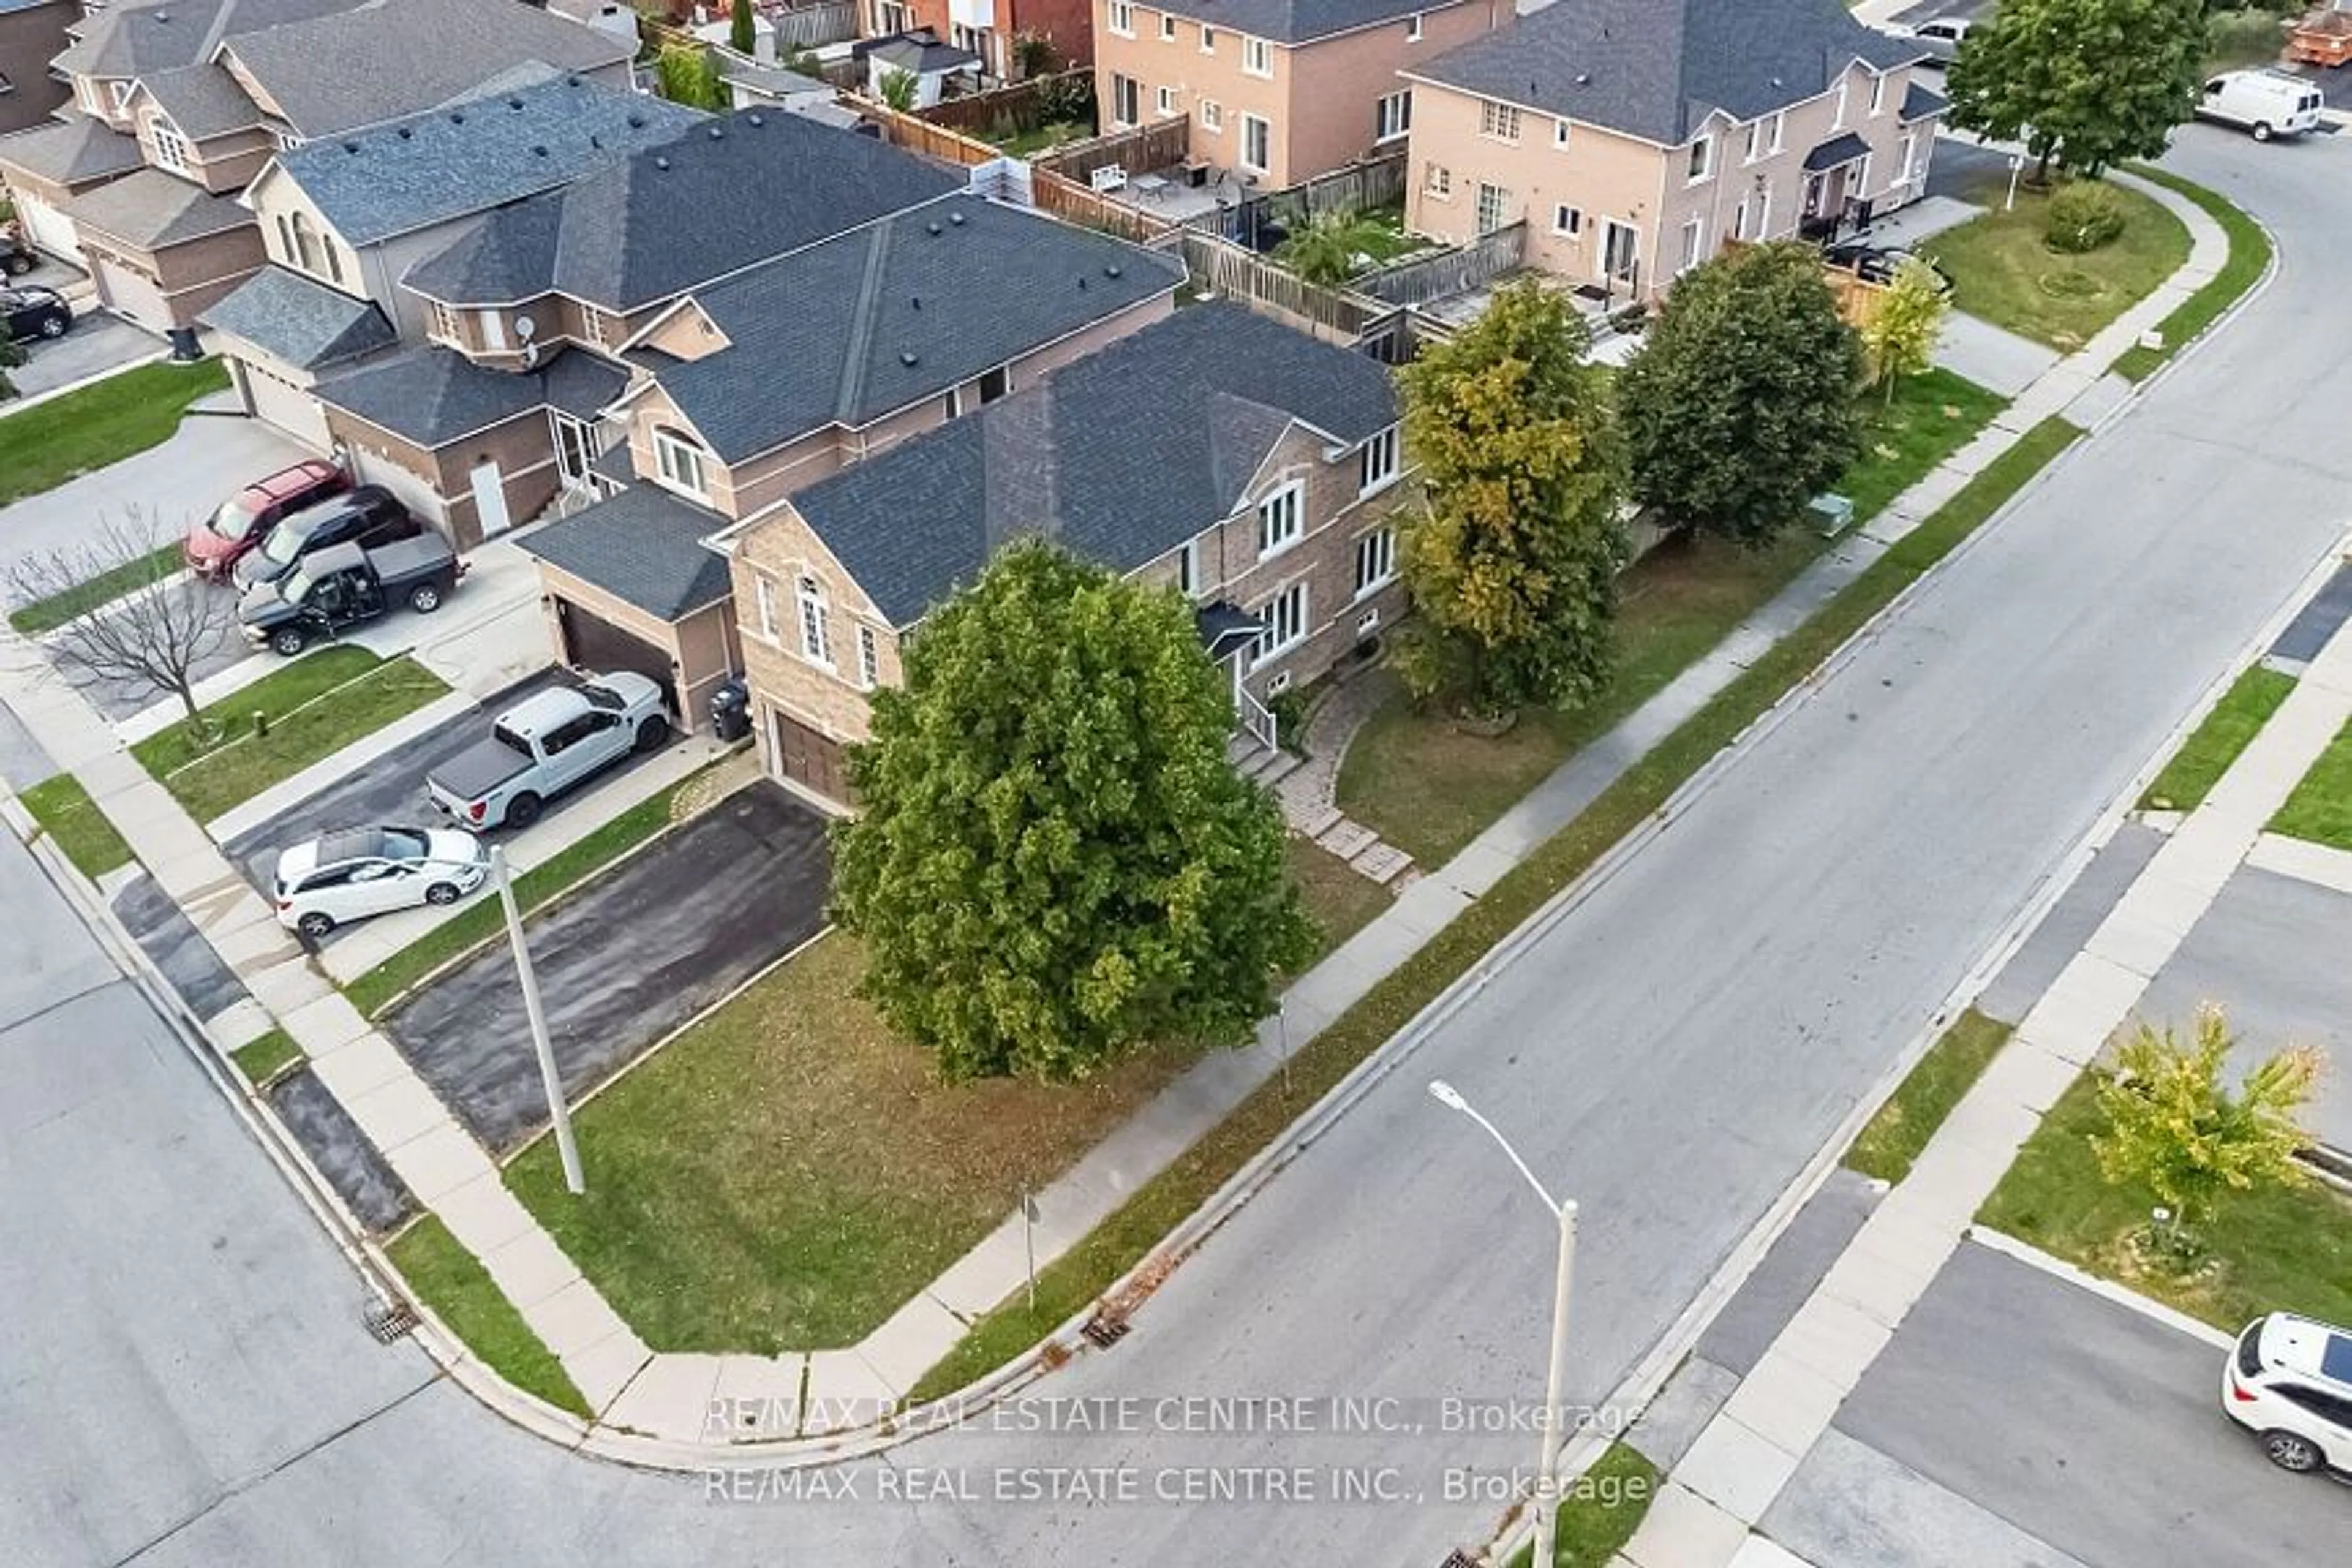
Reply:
x=130, y=296
x=283, y=402
x=49, y=228
x=413, y=492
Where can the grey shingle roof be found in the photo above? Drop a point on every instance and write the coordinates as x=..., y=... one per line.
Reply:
x=153, y=210
x=390, y=57
x=1120, y=456
x=722, y=196
x=771, y=81
x=643, y=547
x=432, y=167
x=921, y=55
x=434, y=395
x=297, y=322
x=894, y=312
x=79, y=149
x=579, y=383
x=1845, y=148
x=201, y=99
x=1919, y=103
x=1293, y=21
x=127, y=41
x=1655, y=68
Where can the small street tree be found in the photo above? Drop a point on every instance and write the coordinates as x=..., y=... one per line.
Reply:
x=115, y=606
x=1054, y=861
x=2175, y=1128
x=686, y=74
x=1900, y=337
x=1740, y=405
x=742, y=31
x=2085, y=83
x=899, y=90
x=1513, y=562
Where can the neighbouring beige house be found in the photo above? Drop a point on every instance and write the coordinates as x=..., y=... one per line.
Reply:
x=1248, y=466
x=1633, y=137
x=1277, y=91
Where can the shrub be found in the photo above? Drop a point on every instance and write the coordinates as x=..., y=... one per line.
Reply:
x=2083, y=216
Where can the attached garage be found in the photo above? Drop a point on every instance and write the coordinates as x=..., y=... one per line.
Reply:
x=47, y=227
x=589, y=640
x=376, y=465
x=279, y=331
x=807, y=757
x=278, y=399
x=46, y=170
x=127, y=291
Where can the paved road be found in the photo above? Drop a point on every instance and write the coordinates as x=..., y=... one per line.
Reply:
x=2053, y=1412
x=1672, y=1053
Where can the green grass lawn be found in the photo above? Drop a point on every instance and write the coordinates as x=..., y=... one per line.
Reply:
x=2003, y=272
x=312, y=715
x=1343, y=901
x=1043, y=138
x=264, y=1059
x=2320, y=809
x=479, y=921
x=788, y=1173
x=43, y=446
x=80, y=830
x=48, y=615
x=1087, y=1269
x=2226, y=732
x=2271, y=1250
x=2249, y=258
x=461, y=1293
x=1893, y=1138
x=1932, y=416
x=1601, y=1510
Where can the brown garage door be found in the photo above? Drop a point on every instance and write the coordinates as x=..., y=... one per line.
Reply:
x=592, y=642
x=807, y=757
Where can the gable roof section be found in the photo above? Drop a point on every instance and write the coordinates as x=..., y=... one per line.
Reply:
x=434, y=395
x=79, y=149
x=127, y=41
x=298, y=322
x=902, y=309
x=201, y=101
x=1295, y=21
x=643, y=546
x=1656, y=68
x=150, y=210
x=1919, y=103
x=445, y=162
x=386, y=58
x=723, y=196
x=1119, y=457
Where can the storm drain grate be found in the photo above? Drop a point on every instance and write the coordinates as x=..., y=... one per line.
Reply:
x=390, y=1320
x=1105, y=1331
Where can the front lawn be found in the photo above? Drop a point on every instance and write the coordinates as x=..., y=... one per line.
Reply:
x=1894, y=1139
x=788, y=1173
x=1933, y=415
x=1342, y=899
x=73, y=822
x=2226, y=732
x=2002, y=272
x=81, y=431
x=313, y=708
x=2270, y=1250
x=2320, y=809
x=452, y=1281
x=48, y=615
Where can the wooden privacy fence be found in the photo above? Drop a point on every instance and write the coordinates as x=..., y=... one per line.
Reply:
x=1067, y=198
x=1024, y=105
x=1140, y=152
x=810, y=27
x=1221, y=267
x=1451, y=272
x=921, y=136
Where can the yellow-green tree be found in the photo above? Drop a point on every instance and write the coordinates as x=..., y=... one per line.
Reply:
x=1900, y=337
x=1513, y=562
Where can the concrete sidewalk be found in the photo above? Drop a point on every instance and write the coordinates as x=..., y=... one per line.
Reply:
x=1744, y=1456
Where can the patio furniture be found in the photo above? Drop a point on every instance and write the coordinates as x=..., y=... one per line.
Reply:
x=1109, y=178
x=1149, y=184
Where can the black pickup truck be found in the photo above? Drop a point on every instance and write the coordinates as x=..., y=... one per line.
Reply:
x=343, y=586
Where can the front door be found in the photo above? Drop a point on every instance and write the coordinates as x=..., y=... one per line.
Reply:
x=491, y=498
x=1621, y=250
x=573, y=449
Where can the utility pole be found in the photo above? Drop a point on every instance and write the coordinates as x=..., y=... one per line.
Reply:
x=557, y=1112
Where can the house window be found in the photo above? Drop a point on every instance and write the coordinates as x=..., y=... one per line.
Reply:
x=119, y=94
x=814, y=643
x=171, y=147
x=766, y=591
x=1212, y=116
x=1167, y=28
x=1376, y=462
x=1910, y=155
x=1166, y=101
x=1492, y=200
x=1780, y=125
x=1208, y=39
x=1702, y=159
x=1412, y=29
x=1125, y=99
x=1693, y=239
x=1861, y=175
x=444, y=324
x=1567, y=222
x=87, y=90
x=953, y=404
x=1437, y=180
x=1188, y=568
x=677, y=458
x=1122, y=18
x=869, y=658
x=1257, y=144
x=1560, y=133
x=286, y=250
x=894, y=17
x=1375, y=559
x=1878, y=94
x=1837, y=117
x=1285, y=616
x=1258, y=57
x=1739, y=220
x=1763, y=212
x=1392, y=116
x=1278, y=519
x=1500, y=120
x=995, y=384
x=1755, y=141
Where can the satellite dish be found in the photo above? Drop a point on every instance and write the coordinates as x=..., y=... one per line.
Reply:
x=525, y=327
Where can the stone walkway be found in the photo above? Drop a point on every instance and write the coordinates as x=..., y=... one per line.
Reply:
x=1748, y=1452
x=1309, y=792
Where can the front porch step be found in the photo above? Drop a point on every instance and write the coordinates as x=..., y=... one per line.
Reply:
x=1258, y=765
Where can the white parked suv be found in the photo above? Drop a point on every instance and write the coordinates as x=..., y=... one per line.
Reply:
x=2290, y=1380
x=355, y=872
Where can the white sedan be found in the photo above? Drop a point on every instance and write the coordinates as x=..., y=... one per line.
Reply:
x=355, y=872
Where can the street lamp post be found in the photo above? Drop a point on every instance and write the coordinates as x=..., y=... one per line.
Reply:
x=1553, y=1430
x=549, y=1079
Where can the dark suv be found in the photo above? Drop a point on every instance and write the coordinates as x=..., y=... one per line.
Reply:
x=367, y=516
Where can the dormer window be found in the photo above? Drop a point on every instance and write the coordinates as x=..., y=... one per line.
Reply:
x=1702, y=159
x=313, y=252
x=1278, y=518
x=815, y=646
x=119, y=94
x=1376, y=462
x=170, y=148
x=679, y=460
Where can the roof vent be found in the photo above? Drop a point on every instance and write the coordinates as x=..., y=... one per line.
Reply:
x=1583, y=78
x=956, y=218
x=907, y=358
x=716, y=133
x=1082, y=280
x=456, y=116
x=514, y=103
x=1112, y=270
x=636, y=121
x=933, y=227
x=571, y=81
x=350, y=146
x=541, y=150
x=661, y=162
x=597, y=142
x=756, y=120
x=406, y=134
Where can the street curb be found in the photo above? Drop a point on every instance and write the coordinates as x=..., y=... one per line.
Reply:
x=2254, y=291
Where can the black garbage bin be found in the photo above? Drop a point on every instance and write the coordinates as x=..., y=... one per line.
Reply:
x=731, y=711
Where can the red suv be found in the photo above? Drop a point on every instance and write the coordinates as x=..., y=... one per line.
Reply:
x=215, y=545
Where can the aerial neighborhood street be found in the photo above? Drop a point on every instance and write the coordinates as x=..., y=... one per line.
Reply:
x=822, y=781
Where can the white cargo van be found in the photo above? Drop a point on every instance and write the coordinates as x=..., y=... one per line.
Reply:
x=2268, y=103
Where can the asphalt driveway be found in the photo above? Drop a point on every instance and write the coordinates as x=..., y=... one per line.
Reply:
x=98, y=344
x=623, y=963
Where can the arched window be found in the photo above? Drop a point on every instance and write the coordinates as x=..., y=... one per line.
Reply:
x=678, y=458
x=314, y=252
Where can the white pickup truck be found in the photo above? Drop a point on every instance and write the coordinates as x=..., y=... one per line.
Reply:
x=547, y=744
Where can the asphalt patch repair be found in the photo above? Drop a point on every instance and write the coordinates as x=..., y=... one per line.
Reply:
x=621, y=963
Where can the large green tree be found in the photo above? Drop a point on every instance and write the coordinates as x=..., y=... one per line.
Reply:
x=1513, y=562
x=1054, y=862
x=1740, y=405
x=2083, y=83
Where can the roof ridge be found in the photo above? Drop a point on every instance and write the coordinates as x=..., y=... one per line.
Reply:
x=861, y=320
